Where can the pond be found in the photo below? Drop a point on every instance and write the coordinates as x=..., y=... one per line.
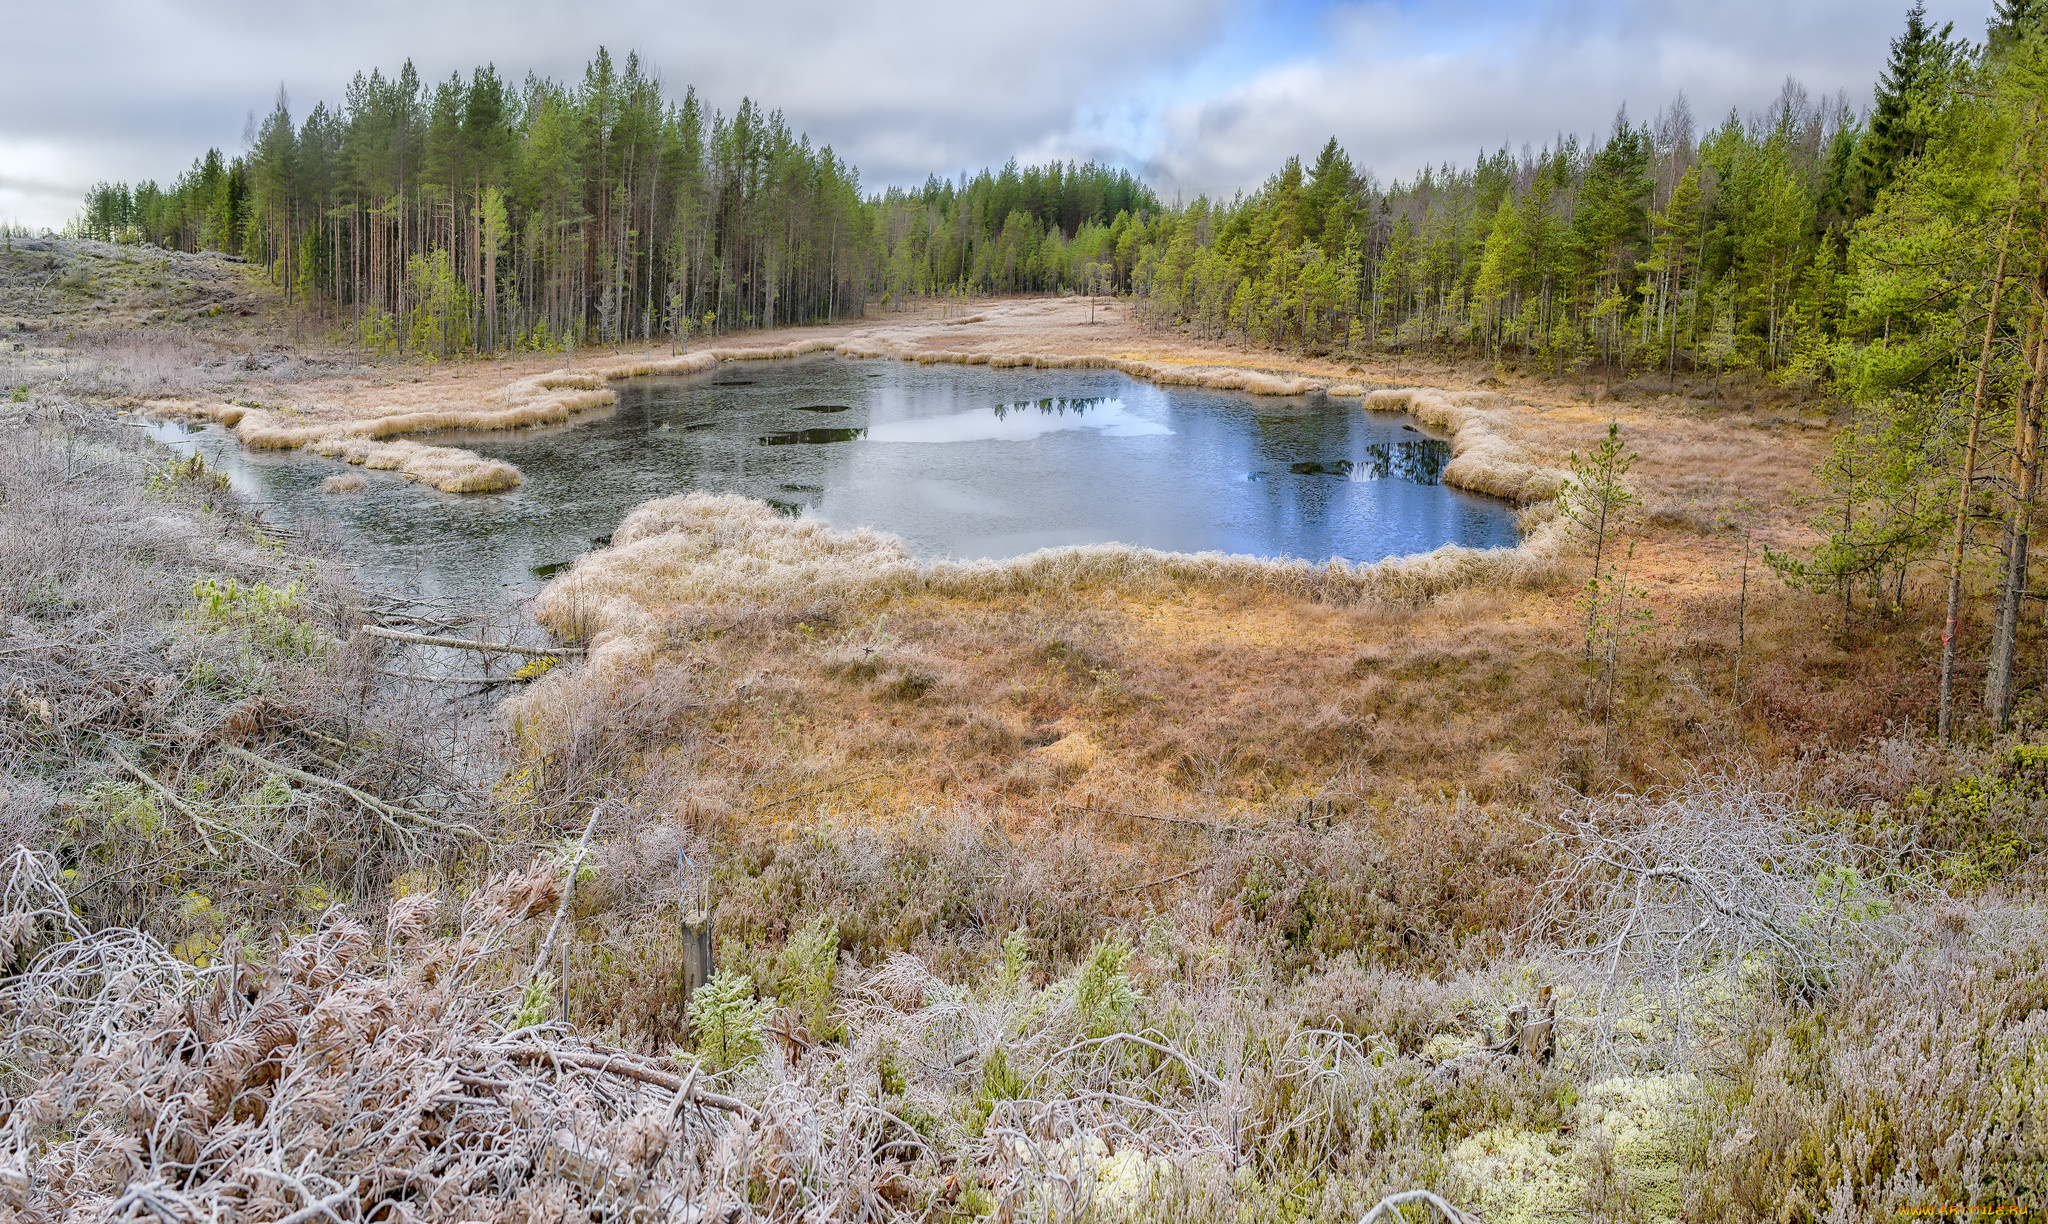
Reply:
x=960, y=461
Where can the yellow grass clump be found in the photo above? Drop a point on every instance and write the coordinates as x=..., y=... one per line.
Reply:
x=701, y=548
x=447, y=468
x=1485, y=457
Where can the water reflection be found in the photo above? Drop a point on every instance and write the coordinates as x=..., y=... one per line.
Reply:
x=1421, y=462
x=960, y=461
x=811, y=437
x=1022, y=422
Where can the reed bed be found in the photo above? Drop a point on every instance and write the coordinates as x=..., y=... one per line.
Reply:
x=1486, y=458
x=725, y=549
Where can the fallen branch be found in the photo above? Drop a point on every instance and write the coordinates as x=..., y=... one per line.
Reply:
x=568, y=888
x=1110, y=892
x=625, y=1066
x=165, y=793
x=389, y=812
x=199, y=822
x=428, y=639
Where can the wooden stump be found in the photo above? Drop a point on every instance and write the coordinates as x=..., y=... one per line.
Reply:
x=697, y=960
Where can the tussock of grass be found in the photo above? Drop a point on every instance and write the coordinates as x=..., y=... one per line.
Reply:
x=702, y=548
x=1485, y=457
x=447, y=468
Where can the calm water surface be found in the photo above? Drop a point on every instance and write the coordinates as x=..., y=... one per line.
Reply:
x=960, y=461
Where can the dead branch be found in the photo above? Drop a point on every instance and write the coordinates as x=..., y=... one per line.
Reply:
x=428, y=639
x=390, y=813
x=626, y=1066
x=568, y=889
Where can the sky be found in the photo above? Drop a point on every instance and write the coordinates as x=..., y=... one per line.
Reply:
x=1197, y=96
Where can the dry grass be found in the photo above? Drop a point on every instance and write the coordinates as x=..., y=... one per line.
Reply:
x=790, y=656
x=1099, y=882
x=735, y=551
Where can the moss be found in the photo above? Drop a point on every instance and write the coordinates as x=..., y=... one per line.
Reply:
x=1520, y=1177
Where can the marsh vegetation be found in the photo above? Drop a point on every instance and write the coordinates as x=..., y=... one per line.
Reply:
x=764, y=867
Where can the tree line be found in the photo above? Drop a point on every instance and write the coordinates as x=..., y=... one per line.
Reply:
x=475, y=214
x=1661, y=247
x=1898, y=258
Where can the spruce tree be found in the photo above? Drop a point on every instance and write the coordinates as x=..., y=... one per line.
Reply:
x=1895, y=134
x=2015, y=20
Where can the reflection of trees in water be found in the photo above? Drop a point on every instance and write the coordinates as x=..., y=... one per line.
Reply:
x=1421, y=462
x=1053, y=406
x=812, y=437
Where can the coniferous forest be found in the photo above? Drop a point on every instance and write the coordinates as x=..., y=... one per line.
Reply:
x=484, y=215
x=487, y=215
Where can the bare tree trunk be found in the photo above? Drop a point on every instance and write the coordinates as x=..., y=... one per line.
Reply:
x=1945, y=719
x=2026, y=464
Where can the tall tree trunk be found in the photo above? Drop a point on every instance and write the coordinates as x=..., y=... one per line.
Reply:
x=2026, y=466
x=1945, y=719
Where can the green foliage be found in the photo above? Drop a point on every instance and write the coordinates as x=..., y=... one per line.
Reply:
x=1596, y=501
x=269, y=616
x=1105, y=999
x=189, y=472
x=809, y=967
x=440, y=307
x=726, y=1020
x=536, y=1002
x=1016, y=957
x=1986, y=825
x=1594, y=505
x=998, y=1083
x=129, y=809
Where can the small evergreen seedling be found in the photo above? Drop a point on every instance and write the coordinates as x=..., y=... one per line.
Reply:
x=727, y=1019
x=810, y=968
x=1104, y=996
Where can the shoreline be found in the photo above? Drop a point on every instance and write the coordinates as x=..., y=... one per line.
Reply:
x=1484, y=459
x=1479, y=425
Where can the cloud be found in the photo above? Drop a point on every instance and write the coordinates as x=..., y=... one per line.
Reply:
x=900, y=88
x=1407, y=86
x=1199, y=95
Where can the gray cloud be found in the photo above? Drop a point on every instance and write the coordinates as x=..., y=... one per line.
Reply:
x=1406, y=88
x=132, y=89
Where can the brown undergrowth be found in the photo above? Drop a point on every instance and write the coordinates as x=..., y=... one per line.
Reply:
x=1099, y=883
